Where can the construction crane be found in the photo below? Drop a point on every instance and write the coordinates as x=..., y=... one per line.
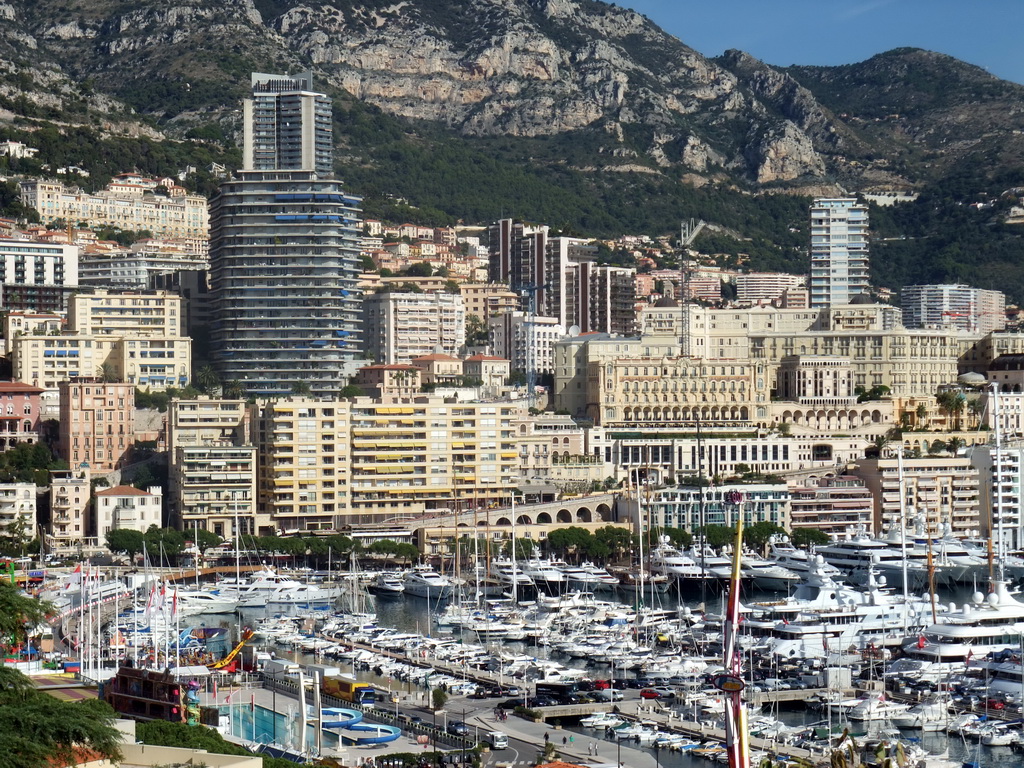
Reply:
x=688, y=232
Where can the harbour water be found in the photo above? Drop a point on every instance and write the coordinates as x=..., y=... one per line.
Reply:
x=415, y=615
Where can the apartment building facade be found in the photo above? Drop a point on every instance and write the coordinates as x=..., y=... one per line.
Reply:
x=972, y=310
x=304, y=463
x=831, y=504
x=399, y=327
x=97, y=423
x=70, y=493
x=20, y=406
x=131, y=207
x=125, y=507
x=941, y=493
x=18, y=503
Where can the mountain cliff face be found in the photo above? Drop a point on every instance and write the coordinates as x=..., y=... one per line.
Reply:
x=601, y=87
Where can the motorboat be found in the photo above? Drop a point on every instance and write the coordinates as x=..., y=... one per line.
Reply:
x=511, y=574
x=930, y=715
x=424, y=581
x=194, y=602
x=387, y=585
x=876, y=708
x=859, y=553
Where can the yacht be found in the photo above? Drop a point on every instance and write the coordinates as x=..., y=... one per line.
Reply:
x=666, y=560
x=424, y=581
x=193, y=602
x=877, y=708
x=824, y=616
x=930, y=715
x=588, y=576
x=267, y=587
x=511, y=574
x=859, y=552
x=782, y=552
x=765, y=574
x=985, y=625
x=387, y=585
x=715, y=565
x=545, y=574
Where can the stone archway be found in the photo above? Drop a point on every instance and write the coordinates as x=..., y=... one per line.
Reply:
x=564, y=516
x=524, y=520
x=604, y=512
x=503, y=521
x=584, y=515
x=543, y=518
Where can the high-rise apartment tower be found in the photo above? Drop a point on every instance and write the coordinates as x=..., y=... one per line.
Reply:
x=284, y=251
x=839, y=251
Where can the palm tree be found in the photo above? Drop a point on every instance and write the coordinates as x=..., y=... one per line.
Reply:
x=106, y=373
x=977, y=409
x=922, y=414
x=207, y=379
x=952, y=404
x=233, y=390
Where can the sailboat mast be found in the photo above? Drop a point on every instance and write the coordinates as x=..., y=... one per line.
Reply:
x=900, y=485
x=736, y=737
x=997, y=417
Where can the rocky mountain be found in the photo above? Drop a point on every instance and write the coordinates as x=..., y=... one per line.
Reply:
x=576, y=111
x=531, y=69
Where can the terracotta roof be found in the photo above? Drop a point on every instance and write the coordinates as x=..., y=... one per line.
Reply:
x=394, y=367
x=122, y=490
x=482, y=358
x=18, y=386
x=428, y=358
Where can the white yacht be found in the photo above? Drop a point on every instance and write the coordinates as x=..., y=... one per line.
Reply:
x=268, y=587
x=715, y=565
x=987, y=624
x=765, y=574
x=588, y=576
x=824, y=616
x=509, y=574
x=877, y=708
x=387, y=585
x=545, y=574
x=801, y=562
x=930, y=715
x=194, y=602
x=667, y=560
x=424, y=581
x=859, y=552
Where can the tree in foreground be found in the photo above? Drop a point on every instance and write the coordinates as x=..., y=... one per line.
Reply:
x=35, y=728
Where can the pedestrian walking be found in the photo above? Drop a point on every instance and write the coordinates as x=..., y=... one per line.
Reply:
x=572, y=739
x=565, y=741
x=547, y=737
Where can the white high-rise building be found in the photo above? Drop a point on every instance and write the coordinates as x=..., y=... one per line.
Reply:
x=399, y=327
x=839, y=251
x=970, y=309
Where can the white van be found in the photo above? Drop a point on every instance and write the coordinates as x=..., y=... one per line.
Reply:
x=608, y=694
x=497, y=740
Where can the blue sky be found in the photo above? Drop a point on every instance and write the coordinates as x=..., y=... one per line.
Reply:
x=988, y=33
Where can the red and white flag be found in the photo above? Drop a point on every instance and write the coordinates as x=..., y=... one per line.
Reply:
x=75, y=578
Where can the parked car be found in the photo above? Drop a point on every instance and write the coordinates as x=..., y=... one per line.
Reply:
x=664, y=691
x=608, y=694
x=601, y=685
x=649, y=693
x=458, y=728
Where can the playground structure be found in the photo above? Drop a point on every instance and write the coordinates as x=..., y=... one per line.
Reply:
x=353, y=721
x=227, y=662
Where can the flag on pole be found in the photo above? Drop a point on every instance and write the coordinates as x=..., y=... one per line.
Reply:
x=75, y=578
